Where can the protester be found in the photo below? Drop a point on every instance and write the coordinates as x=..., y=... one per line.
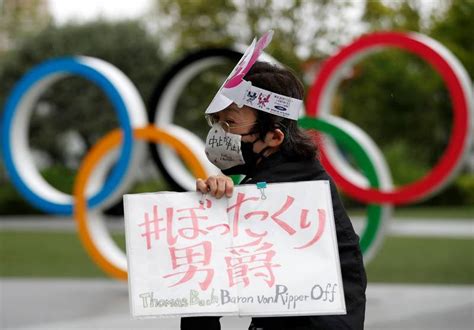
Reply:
x=271, y=148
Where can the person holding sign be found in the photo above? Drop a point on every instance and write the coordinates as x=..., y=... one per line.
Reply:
x=254, y=132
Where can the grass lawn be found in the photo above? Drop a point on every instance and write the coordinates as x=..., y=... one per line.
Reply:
x=42, y=254
x=401, y=260
x=423, y=260
x=428, y=213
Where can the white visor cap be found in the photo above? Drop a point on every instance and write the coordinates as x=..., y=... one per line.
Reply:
x=241, y=92
x=219, y=103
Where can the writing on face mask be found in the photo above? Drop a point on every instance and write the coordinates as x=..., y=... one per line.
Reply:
x=219, y=141
x=223, y=149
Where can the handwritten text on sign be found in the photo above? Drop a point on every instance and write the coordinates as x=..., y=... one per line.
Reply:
x=240, y=256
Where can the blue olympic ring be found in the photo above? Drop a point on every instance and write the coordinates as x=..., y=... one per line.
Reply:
x=66, y=65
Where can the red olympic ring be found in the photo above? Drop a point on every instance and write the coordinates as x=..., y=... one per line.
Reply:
x=453, y=153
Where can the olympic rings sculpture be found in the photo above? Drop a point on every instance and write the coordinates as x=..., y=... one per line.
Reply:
x=94, y=190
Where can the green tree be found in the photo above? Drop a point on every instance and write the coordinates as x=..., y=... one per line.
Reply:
x=21, y=18
x=454, y=30
x=302, y=28
x=405, y=15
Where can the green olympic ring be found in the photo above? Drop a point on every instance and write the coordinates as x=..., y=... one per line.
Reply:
x=374, y=212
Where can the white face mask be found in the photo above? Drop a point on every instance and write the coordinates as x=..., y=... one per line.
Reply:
x=223, y=149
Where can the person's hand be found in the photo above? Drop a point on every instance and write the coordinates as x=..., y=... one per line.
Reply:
x=216, y=185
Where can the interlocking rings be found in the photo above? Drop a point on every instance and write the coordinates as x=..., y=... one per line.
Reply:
x=93, y=233
x=100, y=190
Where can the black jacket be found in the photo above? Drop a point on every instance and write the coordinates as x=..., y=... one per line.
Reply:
x=276, y=168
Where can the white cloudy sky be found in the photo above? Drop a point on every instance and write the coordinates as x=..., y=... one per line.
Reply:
x=85, y=10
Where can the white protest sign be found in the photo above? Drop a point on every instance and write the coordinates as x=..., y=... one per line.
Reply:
x=260, y=253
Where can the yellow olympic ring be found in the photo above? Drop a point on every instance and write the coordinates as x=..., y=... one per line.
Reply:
x=111, y=140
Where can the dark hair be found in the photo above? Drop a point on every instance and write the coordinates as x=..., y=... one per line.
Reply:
x=297, y=145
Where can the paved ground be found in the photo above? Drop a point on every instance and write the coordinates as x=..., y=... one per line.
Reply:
x=99, y=304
